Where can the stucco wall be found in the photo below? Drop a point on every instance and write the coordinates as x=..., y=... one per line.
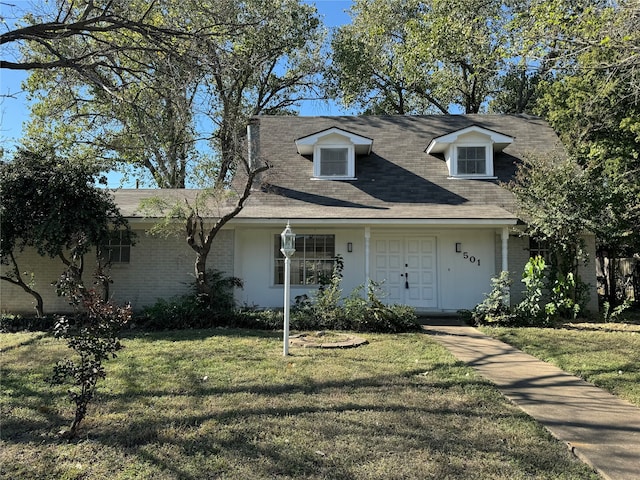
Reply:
x=254, y=263
x=460, y=282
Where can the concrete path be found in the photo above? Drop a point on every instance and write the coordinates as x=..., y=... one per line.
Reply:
x=601, y=430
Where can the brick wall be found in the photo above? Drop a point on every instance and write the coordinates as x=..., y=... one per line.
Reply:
x=158, y=268
x=519, y=256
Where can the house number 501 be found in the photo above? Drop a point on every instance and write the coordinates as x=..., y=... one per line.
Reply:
x=471, y=258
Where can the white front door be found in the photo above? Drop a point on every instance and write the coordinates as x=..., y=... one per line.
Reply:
x=406, y=270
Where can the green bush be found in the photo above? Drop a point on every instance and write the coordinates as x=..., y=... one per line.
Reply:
x=193, y=310
x=371, y=314
x=322, y=311
x=546, y=300
x=493, y=310
x=17, y=323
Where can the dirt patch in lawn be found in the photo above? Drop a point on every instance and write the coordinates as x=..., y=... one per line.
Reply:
x=326, y=340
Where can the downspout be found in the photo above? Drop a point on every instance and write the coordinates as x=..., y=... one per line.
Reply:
x=505, y=258
x=367, y=241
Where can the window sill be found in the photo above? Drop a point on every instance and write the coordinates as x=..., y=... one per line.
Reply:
x=471, y=177
x=334, y=178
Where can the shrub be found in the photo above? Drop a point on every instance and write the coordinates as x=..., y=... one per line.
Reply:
x=193, y=310
x=530, y=310
x=544, y=302
x=373, y=315
x=356, y=313
x=321, y=311
x=92, y=333
x=493, y=309
x=17, y=323
x=325, y=305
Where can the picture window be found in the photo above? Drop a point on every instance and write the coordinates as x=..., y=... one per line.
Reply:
x=314, y=259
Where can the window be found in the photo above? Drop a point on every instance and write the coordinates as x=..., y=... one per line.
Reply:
x=118, y=248
x=539, y=248
x=334, y=162
x=472, y=161
x=334, y=152
x=469, y=152
x=314, y=259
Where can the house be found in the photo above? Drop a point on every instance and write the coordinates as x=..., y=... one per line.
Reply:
x=412, y=202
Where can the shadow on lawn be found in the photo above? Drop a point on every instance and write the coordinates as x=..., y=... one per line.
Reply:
x=198, y=334
x=145, y=431
x=272, y=430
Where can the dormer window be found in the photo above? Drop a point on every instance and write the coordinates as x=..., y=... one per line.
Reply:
x=333, y=162
x=472, y=160
x=469, y=151
x=334, y=153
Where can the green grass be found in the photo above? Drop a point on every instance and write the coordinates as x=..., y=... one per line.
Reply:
x=607, y=355
x=225, y=404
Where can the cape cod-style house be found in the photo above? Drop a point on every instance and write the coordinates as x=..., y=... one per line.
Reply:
x=415, y=203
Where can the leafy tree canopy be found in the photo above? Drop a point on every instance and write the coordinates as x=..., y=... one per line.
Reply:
x=176, y=112
x=439, y=56
x=52, y=204
x=593, y=103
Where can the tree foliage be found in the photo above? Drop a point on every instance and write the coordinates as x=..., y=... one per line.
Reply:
x=172, y=113
x=439, y=56
x=592, y=101
x=178, y=111
x=52, y=205
x=556, y=199
x=92, y=333
x=83, y=22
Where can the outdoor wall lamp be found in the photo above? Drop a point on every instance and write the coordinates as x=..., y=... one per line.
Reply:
x=458, y=247
x=349, y=247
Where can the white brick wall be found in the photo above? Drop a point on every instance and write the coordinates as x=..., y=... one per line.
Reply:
x=519, y=256
x=159, y=268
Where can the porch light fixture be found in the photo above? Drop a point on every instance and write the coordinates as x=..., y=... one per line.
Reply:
x=349, y=247
x=458, y=247
x=288, y=248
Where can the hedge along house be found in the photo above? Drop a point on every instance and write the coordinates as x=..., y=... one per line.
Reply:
x=413, y=203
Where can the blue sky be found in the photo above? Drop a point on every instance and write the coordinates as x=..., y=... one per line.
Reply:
x=13, y=104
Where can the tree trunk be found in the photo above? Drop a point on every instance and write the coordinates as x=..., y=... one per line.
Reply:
x=613, y=300
x=605, y=277
x=17, y=280
x=201, y=273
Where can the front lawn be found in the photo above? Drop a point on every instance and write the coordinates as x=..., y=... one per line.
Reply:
x=607, y=355
x=225, y=404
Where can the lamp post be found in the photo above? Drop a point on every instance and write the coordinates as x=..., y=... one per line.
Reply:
x=288, y=248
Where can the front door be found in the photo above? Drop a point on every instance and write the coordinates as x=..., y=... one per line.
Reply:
x=406, y=270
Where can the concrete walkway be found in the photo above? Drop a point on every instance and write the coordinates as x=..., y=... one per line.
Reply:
x=600, y=429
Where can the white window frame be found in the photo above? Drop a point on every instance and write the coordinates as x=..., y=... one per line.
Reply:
x=488, y=160
x=317, y=160
x=300, y=263
x=123, y=244
x=472, y=136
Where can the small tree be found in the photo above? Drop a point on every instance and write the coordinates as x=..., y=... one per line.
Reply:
x=92, y=333
x=53, y=205
x=556, y=198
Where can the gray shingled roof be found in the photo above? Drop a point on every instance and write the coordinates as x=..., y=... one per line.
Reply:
x=398, y=180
